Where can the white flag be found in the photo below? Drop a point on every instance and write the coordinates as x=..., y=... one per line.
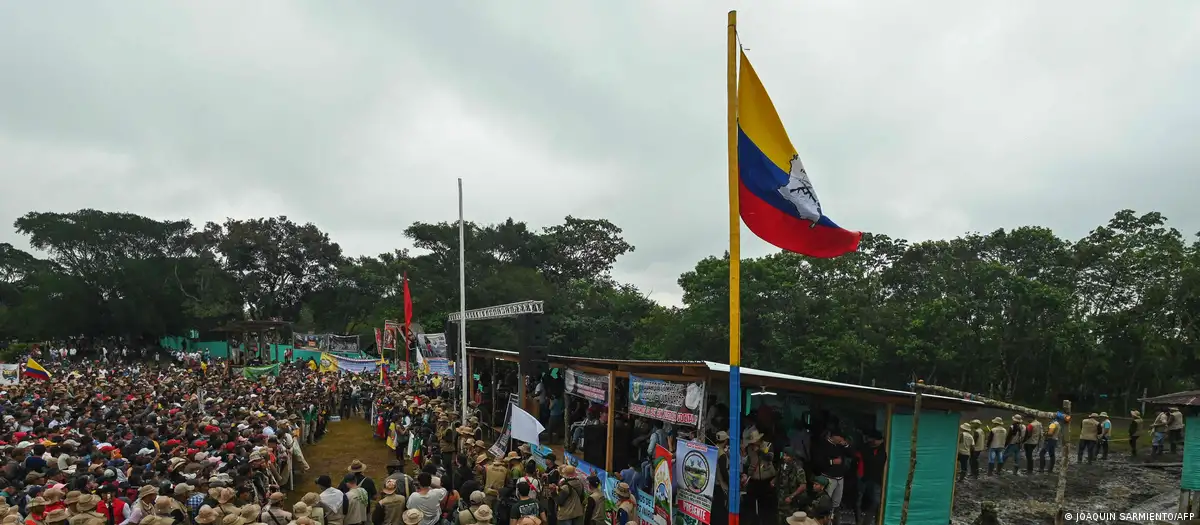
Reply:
x=525, y=427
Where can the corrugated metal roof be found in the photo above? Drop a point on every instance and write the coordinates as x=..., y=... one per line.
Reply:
x=1188, y=398
x=724, y=368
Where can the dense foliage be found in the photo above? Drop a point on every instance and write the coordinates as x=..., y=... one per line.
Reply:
x=1021, y=314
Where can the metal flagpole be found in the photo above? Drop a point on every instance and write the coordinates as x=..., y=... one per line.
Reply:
x=735, y=263
x=462, y=305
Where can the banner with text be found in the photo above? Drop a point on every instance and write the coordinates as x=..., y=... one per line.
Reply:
x=500, y=447
x=330, y=362
x=645, y=507
x=668, y=401
x=695, y=476
x=440, y=366
x=307, y=341
x=592, y=387
x=343, y=344
x=585, y=470
x=664, y=486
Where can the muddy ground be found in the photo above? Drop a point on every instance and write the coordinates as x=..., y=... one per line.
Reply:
x=1116, y=485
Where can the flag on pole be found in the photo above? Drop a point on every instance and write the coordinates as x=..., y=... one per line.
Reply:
x=414, y=448
x=407, y=306
x=525, y=427
x=379, y=342
x=778, y=202
x=35, y=371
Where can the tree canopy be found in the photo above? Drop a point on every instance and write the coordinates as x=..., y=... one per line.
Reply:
x=1021, y=314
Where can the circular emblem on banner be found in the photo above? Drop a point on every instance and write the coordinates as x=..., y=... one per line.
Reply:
x=695, y=471
x=637, y=390
x=326, y=363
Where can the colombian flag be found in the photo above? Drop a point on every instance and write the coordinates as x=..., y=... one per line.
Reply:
x=776, y=197
x=34, y=370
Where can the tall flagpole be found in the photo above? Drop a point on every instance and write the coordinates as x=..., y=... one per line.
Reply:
x=735, y=289
x=462, y=306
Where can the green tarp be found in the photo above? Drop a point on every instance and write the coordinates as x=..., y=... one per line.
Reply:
x=933, y=480
x=254, y=372
x=1191, y=453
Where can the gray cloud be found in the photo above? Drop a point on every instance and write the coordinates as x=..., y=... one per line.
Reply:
x=916, y=120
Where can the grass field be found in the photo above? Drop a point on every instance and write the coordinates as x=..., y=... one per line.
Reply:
x=344, y=442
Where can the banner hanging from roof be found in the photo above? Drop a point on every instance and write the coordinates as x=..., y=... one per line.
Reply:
x=440, y=366
x=667, y=401
x=592, y=387
x=254, y=372
x=307, y=341
x=343, y=344
x=331, y=363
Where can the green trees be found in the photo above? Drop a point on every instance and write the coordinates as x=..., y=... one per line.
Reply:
x=1020, y=314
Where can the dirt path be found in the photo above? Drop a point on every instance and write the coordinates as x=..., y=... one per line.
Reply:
x=344, y=442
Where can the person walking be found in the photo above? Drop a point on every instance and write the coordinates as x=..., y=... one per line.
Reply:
x=1088, y=434
x=1049, y=446
x=1135, y=431
x=979, y=434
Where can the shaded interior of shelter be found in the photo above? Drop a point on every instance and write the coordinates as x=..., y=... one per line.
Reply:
x=790, y=411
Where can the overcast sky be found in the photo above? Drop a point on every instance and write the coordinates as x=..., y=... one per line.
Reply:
x=919, y=120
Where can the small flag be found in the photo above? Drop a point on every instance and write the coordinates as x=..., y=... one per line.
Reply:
x=35, y=371
x=414, y=448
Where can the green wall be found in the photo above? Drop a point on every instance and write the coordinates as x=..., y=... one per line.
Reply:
x=1191, y=453
x=220, y=349
x=933, y=479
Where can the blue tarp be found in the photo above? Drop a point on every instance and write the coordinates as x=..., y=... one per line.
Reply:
x=933, y=480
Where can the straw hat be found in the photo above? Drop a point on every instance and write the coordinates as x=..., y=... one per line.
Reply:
x=511, y=456
x=356, y=466
x=965, y=427
x=481, y=459
x=206, y=515
x=1093, y=414
x=622, y=490
x=411, y=517
x=800, y=518
x=976, y=422
x=1016, y=418
x=52, y=495
x=73, y=497
x=389, y=486
x=275, y=497
x=301, y=510
x=722, y=437
x=232, y=519
x=88, y=501
x=147, y=490
x=754, y=437
x=483, y=514
x=250, y=512
x=1104, y=414
x=36, y=502
x=156, y=520
x=311, y=499
x=56, y=516
x=225, y=496
x=997, y=420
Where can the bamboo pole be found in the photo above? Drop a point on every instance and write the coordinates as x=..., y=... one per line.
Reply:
x=1061, y=494
x=935, y=389
x=912, y=458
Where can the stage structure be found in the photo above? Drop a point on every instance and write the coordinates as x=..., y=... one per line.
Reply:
x=502, y=311
x=261, y=339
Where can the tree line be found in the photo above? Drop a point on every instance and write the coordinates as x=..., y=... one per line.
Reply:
x=1020, y=314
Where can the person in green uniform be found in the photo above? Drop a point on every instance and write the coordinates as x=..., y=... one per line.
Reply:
x=816, y=502
x=790, y=483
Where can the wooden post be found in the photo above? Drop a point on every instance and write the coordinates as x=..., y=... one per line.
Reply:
x=612, y=414
x=912, y=457
x=1061, y=494
x=887, y=445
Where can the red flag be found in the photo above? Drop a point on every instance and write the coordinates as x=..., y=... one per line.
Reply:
x=407, y=306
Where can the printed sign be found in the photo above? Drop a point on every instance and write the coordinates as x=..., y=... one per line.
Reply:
x=645, y=507
x=664, y=486
x=433, y=345
x=10, y=374
x=343, y=344
x=695, y=467
x=592, y=387
x=391, y=332
x=307, y=341
x=668, y=401
x=440, y=366
x=500, y=447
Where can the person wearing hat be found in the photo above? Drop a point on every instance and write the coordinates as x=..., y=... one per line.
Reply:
x=404, y=482
x=1088, y=435
x=1033, y=439
x=57, y=517
x=1105, y=435
x=357, y=470
x=626, y=506
x=36, y=507
x=789, y=481
x=72, y=501
x=1012, y=447
x=1135, y=431
x=1049, y=446
x=997, y=436
x=316, y=509
x=527, y=505
x=358, y=500
x=427, y=499
x=233, y=519
x=569, y=496
x=144, y=506
x=467, y=516
x=1175, y=425
x=274, y=513
x=1159, y=431
x=206, y=516
x=816, y=502
x=87, y=505
x=225, y=504
x=180, y=511
x=979, y=434
x=966, y=442
x=390, y=510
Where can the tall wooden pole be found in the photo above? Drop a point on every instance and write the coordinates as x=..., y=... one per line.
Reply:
x=1065, y=438
x=912, y=458
x=612, y=413
x=735, y=261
